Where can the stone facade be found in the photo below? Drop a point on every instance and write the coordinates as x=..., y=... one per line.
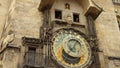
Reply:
x=24, y=18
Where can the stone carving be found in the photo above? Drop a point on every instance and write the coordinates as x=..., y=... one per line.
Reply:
x=67, y=6
x=8, y=39
x=68, y=18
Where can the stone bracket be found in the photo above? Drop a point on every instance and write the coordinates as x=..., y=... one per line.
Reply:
x=94, y=10
x=45, y=4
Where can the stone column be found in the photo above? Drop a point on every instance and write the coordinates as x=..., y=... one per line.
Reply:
x=97, y=55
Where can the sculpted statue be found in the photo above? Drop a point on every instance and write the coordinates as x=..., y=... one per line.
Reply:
x=8, y=39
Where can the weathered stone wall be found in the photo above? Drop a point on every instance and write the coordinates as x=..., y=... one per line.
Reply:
x=25, y=20
x=107, y=29
x=10, y=58
x=108, y=34
x=4, y=6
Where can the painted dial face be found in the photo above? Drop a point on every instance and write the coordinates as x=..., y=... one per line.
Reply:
x=70, y=49
x=74, y=45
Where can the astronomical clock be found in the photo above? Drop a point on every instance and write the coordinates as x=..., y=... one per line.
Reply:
x=70, y=49
x=68, y=34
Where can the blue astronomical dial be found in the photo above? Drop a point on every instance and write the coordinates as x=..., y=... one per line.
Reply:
x=74, y=45
x=70, y=49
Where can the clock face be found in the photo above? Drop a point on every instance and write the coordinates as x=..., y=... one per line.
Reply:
x=74, y=45
x=70, y=49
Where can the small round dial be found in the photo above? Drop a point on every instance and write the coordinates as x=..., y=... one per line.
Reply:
x=70, y=49
x=74, y=45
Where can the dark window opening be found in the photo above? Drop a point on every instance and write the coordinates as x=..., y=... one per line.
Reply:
x=32, y=49
x=58, y=14
x=76, y=17
x=31, y=56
